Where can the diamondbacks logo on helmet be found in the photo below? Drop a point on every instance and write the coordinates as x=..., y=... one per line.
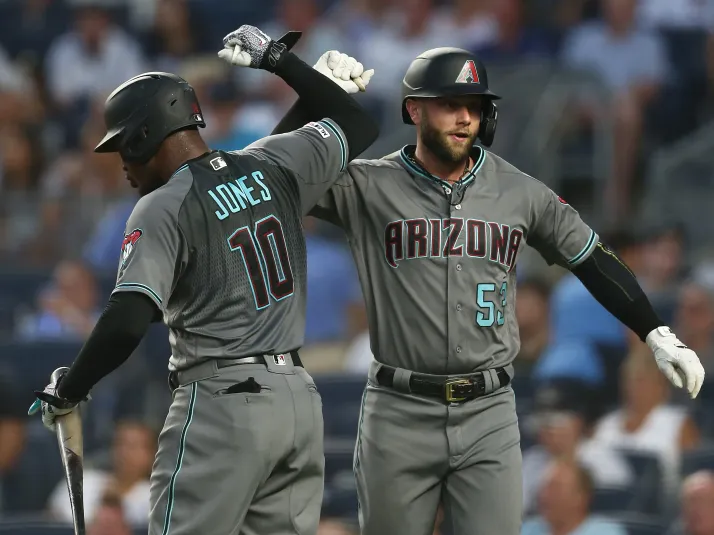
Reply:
x=468, y=74
x=127, y=246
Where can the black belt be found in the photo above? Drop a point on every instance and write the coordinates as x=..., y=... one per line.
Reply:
x=451, y=390
x=258, y=359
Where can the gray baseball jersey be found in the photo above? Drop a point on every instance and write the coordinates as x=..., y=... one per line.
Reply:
x=220, y=249
x=437, y=262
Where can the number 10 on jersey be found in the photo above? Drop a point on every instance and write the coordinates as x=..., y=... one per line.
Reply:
x=266, y=260
x=486, y=294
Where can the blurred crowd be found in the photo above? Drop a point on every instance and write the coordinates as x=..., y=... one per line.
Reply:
x=603, y=434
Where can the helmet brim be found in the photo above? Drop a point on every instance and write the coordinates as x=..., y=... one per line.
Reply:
x=111, y=141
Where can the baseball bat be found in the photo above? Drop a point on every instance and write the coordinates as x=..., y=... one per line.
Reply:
x=70, y=441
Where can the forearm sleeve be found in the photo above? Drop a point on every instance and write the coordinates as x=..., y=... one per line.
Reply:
x=615, y=287
x=116, y=335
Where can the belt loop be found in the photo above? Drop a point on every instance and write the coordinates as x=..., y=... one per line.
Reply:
x=401, y=380
x=489, y=382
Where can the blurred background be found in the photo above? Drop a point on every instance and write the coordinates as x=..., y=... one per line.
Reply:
x=609, y=102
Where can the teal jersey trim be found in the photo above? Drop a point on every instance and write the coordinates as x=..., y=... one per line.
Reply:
x=179, y=460
x=468, y=178
x=589, y=246
x=343, y=144
x=184, y=166
x=137, y=286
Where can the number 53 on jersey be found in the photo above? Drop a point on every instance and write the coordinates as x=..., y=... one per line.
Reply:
x=490, y=304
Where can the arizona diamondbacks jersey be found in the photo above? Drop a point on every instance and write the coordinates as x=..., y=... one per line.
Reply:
x=219, y=248
x=437, y=263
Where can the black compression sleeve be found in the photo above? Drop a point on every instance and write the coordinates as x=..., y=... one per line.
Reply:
x=298, y=115
x=615, y=287
x=325, y=98
x=116, y=335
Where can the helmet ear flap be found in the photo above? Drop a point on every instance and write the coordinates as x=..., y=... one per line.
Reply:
x=489, y=119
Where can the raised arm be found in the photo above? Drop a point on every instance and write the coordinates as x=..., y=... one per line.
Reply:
x=249, y=47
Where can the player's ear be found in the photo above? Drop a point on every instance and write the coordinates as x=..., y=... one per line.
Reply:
x=414, y=110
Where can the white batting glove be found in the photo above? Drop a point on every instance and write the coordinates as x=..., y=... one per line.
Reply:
x=344, y=70
x=676, y=361
x=249, y=46
x=50, y=405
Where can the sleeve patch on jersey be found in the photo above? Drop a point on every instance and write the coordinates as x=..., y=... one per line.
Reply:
x=562, y=201
x=129, y=244
x=321, y=129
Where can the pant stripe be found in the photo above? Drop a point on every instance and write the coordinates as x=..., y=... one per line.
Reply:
x=179, y=460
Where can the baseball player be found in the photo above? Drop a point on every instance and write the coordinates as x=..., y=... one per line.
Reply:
x=436, y=229
x=215, y=247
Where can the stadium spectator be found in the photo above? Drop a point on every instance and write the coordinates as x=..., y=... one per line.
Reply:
x=697, y=500
x=571, y=359
x=330, y=526
x=471, y=23
x=109, y=518
x=514, y=39
x=563, y=414
x=29, y=27
x=133, y=453
x=407, y=31
x=13, y=425
x=174, y=36
x=564, y=504
x=532, y=315
x=88, y=62
x=67, y=309
x=686, y=27
x=695, y=315
x=645, y=421
x=334, y=287
x=631, y=62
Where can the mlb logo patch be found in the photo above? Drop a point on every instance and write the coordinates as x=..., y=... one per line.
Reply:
x=279, y=360
x=218, y=163
x=321, y=129
x=468, y=74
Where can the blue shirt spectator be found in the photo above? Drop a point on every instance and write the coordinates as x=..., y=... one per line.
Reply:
x=570, y=359
x=621, y=61
x=591, y=526
x=102, y=250
x=333, y=286
x=575, y=314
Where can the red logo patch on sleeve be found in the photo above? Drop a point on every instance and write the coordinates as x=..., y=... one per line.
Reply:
x=562, y=201
x=127, y=246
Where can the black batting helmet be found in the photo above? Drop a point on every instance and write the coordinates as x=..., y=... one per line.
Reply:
x=446, y=71
x=145, y=110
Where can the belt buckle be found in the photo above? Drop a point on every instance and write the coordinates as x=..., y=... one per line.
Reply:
x=450, y=384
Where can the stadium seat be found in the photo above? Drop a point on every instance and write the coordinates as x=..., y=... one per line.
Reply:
x=33, y=362
x=341, y=401
x=699, y=459
x=648, y=477
x=638, y=524
x=608, y=500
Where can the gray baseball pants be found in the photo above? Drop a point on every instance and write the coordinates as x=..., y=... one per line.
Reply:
x=414, y=453
x=246, y=463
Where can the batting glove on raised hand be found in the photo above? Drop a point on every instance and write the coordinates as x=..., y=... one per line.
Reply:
x=250, y=47
x=50, y=404
x=344, y=70
x=676, y=361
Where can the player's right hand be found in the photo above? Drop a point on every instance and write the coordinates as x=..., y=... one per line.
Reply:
x=248, y=46
x=50, y=404
x=344, y=70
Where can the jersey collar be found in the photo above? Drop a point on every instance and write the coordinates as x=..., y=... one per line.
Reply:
x=478, y=154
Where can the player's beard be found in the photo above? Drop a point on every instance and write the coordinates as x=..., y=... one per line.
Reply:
x=439, y=145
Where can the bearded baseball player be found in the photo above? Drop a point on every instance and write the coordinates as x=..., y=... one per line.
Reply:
x=435, y=230
x=215, y=247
